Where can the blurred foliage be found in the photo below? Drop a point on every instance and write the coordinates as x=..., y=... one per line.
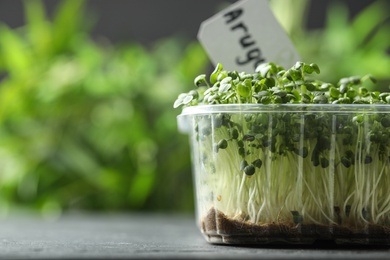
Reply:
x=346, y=45
x=91, y=126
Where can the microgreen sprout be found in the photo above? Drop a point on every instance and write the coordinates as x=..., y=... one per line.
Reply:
x=303, y=165
x=272, y=84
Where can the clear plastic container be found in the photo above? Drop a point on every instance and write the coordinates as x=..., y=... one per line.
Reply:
x=291, y=173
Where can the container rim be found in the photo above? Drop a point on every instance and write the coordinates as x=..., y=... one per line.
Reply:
x=303, y=108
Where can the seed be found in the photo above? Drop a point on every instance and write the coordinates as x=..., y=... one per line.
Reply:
x=225, y=120
x=323, y=143
x=234, y=133
x=297, y=218
x=241, y=151
x=347, y=210
x=366, y=214
x=373, y=137
x=315, y=157
x=217, y=120
x=257, y=163
x=385, y=122
x=249, y=170
x=223, y=144
x=368, y=159
x=349, y=154
x=243, y=165
x=248, y=137
x=304, y=152
x=345, y=161
x=324, y=162
x=272, y=148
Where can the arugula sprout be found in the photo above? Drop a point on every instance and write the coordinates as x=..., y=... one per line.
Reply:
x=286, y=148
x=272, y=84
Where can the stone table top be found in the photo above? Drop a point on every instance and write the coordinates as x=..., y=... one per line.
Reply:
x=143, y=236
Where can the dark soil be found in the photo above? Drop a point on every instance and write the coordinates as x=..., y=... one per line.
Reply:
x=220, y=229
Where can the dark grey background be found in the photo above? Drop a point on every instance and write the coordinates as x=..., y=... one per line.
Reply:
x=148, y=20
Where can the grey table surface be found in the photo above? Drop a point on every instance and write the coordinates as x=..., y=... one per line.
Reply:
x=143, y=236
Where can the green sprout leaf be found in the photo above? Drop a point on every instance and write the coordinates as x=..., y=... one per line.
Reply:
x=243, y=90
x=315, y=68
x=201, y=80
x=215, y=74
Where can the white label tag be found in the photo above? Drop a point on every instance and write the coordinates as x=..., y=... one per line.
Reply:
x=245, y=35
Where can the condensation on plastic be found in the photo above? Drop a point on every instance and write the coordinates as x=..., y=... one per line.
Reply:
x=324, y=173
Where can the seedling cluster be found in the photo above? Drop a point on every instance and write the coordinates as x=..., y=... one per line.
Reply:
x=285, y=148
x=272, y=84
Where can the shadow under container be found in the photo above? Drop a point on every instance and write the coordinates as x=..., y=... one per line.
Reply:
x=290, y=173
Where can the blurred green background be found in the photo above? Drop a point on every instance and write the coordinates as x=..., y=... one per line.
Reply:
x=87, y=123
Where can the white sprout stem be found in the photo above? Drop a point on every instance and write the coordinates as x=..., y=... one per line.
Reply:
x=374, y=192
x=317, y=203
x=359, y=178
x=287, y=182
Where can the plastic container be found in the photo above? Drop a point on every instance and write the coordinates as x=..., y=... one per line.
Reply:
x=291, y=173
